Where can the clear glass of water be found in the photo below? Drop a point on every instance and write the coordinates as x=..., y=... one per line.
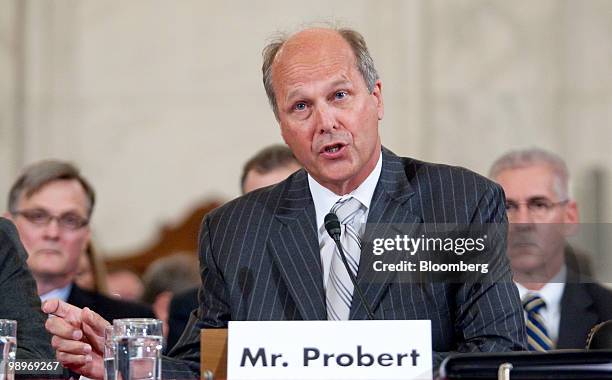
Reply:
x=8, y=347
x=138, y=347
x=109, y=353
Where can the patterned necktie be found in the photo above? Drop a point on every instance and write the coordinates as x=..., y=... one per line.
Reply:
x=537, y=335
x=339, y=292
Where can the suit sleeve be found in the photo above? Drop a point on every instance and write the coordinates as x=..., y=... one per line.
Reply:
x=213, y=310
x=19, y=300
x=489, y=316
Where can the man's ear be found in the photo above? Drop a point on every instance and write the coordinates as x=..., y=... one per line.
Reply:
x=571, y=218
x=377, y=93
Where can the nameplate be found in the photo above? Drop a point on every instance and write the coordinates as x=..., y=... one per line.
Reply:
x=329, y=350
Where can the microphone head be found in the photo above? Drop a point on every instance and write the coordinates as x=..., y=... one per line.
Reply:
x=332, y=225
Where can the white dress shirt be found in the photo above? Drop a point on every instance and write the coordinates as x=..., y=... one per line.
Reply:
x=61, y=293
x=551, y=293
x=324, y=199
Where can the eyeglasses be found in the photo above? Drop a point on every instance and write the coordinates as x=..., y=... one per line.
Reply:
x=68, y=221
x=538, y=208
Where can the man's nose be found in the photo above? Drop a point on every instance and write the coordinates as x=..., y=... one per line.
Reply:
x=522, y=220
x=326, y=121
x=52, y=230
x=522, y=215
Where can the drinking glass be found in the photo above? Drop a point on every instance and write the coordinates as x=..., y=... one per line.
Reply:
x=109, y=353
x=138, y=347
x=8, y=347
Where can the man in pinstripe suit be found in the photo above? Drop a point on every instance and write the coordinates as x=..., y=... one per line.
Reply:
x=261, y=254
x=265, y=256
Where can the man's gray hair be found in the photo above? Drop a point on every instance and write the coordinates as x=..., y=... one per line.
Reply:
x=363, y=61
x=524, y=158
x=36, y=176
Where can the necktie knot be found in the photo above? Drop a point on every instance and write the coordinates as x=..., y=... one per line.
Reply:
x=533, y=303
x=347, y=210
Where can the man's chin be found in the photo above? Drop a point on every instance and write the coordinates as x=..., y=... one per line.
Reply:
x=526, y=264
x=51, y=265
x=49, y=275
x=337, y=173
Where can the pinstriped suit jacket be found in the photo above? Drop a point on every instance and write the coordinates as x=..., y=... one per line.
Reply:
x=260, y=260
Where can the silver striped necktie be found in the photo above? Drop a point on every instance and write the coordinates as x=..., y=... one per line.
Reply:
x=339, y=292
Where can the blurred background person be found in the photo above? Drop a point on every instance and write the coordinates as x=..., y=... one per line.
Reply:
x=561, y=304
x=166, y=277
x=51, y=204
x=125, y=284
x=267, y=167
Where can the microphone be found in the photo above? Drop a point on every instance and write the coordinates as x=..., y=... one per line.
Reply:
x=332, y=226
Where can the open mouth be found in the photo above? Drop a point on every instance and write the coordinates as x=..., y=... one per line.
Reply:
x=332, y=148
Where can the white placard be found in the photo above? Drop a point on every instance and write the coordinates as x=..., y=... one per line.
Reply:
x=329, y=350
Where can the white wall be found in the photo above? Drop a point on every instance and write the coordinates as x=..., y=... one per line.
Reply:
x=161, y=102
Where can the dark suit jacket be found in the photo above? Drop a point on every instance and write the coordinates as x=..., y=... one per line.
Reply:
x=583, y=305
x=181, y=306
x=19, y=298
x=260, y=260
x=108, y=308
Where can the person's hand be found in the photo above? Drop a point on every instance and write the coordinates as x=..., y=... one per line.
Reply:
x=77, y=337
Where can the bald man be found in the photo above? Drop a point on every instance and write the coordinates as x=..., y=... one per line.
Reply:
x=327, y=97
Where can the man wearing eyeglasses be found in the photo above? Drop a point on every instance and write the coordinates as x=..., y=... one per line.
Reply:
x=51, y=205
x=560, y=304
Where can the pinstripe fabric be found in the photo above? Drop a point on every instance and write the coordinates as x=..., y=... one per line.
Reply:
x=260, y=260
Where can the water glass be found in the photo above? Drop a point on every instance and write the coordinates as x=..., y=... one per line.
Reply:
x=109, y=353
x=8, y=347
x=138, y=347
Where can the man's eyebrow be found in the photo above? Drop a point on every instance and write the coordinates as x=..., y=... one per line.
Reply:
x=538, y=198
x=530, y=199
x=337, y=83
x=340, y=83
x=293, y=93
x=65, y=212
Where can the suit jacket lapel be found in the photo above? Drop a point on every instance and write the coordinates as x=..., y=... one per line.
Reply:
x=79, y=298
x=388, y=206
x=577, y=317
x=294, y=247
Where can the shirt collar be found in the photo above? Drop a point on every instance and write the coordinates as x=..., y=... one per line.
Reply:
x=324, y=198
x=61, y=293
x=551, y=292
